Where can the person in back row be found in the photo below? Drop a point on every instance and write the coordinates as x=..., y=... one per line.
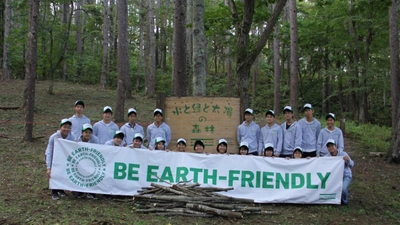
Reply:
x=105, y=129
x=249, y=132
x=131, y=128
x=78, y=119
x=271, y=133
x=329, y=132
x=292, y=135
x=65, y=133
x=310, y=128
x=158, y=129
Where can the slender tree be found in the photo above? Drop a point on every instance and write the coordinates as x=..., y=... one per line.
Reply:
x=277, y=73
x=150, y=53
x=245, y=57
x=123, y=57
x=104, y=69
x=294, y=59
x=7, y=25
x=189, y=45
x=179, y=76
x=30, y=77
x=142, y=28
x=199, y=49
x=394, y=151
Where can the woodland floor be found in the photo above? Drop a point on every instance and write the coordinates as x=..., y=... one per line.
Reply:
x=25, y=197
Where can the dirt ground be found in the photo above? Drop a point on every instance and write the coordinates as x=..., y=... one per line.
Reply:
x=25, y=198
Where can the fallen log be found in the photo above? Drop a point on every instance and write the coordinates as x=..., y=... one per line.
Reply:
x=214, y=211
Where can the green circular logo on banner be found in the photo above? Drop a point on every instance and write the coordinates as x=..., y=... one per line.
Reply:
x=86, y=167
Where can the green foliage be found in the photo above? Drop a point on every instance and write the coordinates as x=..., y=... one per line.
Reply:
x=373, y=138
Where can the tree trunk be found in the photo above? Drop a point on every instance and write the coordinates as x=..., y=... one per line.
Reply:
x=29, y=93
x=78, y=24
x=7, y=24
x=394, y=60
x=142, y=28
x=199, y=50
x=294, y=59
x=189, y=45
x=277, y=72
x=113, y=38
x=246, y=58
x=104, y=68
x=179, y=83
x=150, y=49
x=123, y=57
x=228, y=62
x=327, y=84
x=65, y=21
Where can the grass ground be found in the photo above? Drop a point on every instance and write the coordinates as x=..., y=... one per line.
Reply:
x=25, y=198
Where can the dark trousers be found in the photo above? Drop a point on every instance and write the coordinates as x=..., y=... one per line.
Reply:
x=311, y=154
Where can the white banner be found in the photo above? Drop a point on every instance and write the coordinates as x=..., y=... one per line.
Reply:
x=79, y=166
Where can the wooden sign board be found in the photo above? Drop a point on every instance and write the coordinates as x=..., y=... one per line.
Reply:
x=206, y=118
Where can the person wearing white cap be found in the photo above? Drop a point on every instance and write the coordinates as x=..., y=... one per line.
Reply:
x=181, y=145
x=117, y=139
x=105, y=129
x=292, y=134
x=65, y=133
x=310, y=128
x=249, y=132
x=137, y=141
x=78, y=119
x=222, y=147
x=329, y=132
x=268, y=150
x=348, y=164
x=158, y=129
x=244, y=148
x=159, y=143
x=271, y=133
x=131, y=128
x=87, y=135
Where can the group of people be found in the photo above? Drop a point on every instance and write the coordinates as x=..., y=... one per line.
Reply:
x=292, y=139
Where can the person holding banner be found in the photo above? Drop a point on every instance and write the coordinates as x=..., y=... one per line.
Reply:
x=198, y=147
x=348, y=164
x=310, y=128
x=297, y=153
x=329, y=132
x=181, y=145
x=158, y=129
x=271, y=133
x=65, y=133
x=249, y=132
x=78, y=119
x=222, y=147
x=105, y=129
x=268, y=150
x=137, y=141
x=131, y=128
x=292, y=133
x=159, y=144
x=87, y=134
x=244, y=148
x=117, y=139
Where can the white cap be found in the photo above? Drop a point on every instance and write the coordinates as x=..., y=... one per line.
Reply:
x=107, y=108
x=249, y=111
x=158, y=111
x=222, y=141
x=243, y=143
x=181, y=140
x=288, y=108
x=138, y=135
x=87, y=126
x=330, y=115
x=64, y=121
x=269, y=145
x=131, y=110
x=271, y=112
x=118, y=132
x=298, y=148
x=159, y=139
x=330, y=141
x=308, y=105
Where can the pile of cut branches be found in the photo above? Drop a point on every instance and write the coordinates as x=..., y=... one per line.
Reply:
x=193, y=200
